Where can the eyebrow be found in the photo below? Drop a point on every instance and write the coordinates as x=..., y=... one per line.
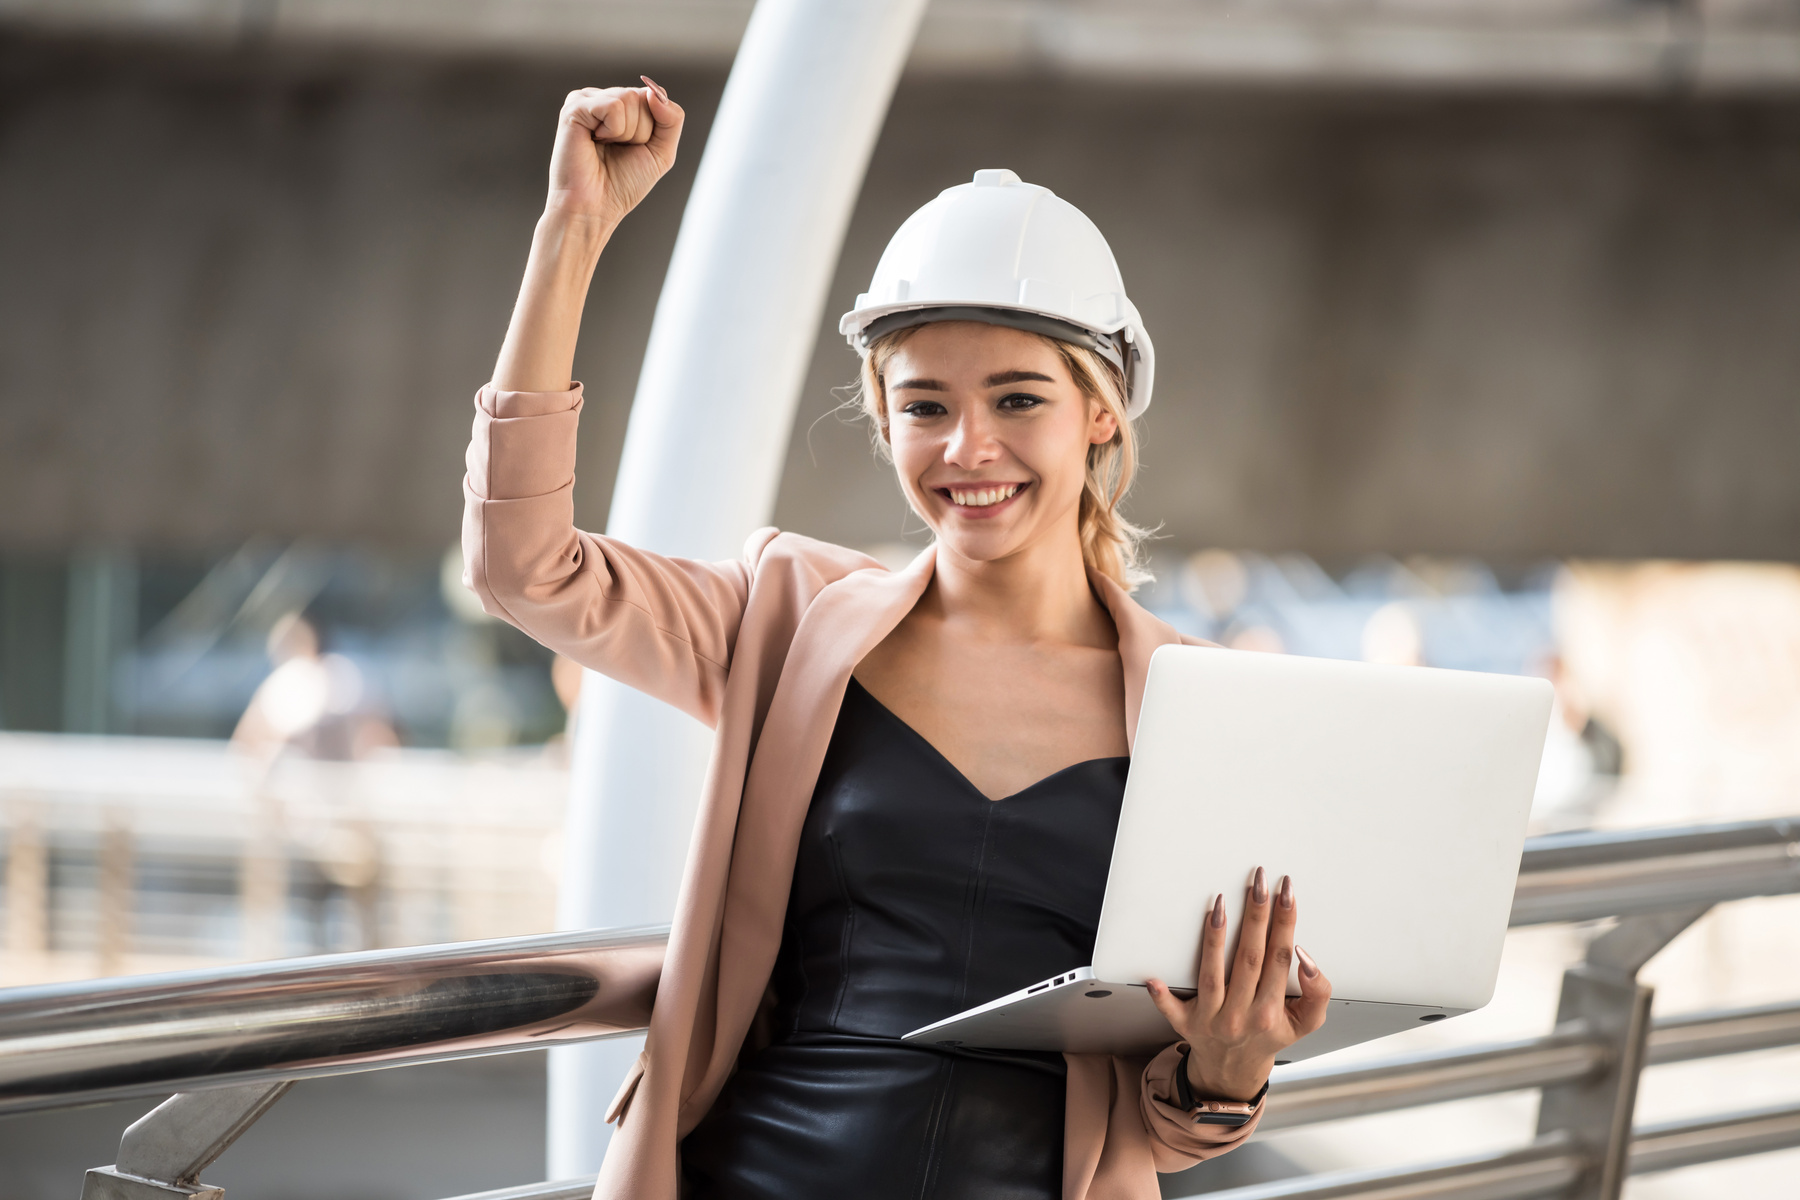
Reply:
x=1003, y=377
x=997, y=379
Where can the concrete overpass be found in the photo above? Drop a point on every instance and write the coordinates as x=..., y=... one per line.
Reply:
x=259, y=256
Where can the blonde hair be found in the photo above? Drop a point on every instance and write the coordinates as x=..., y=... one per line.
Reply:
x=1110, y=544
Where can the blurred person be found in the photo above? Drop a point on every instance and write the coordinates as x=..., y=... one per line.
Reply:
x=1263, y=639
x=889, y=743
x=1393, y=635
x=1582, y=758
x=311, y=702
x=1696, y=667
x=1214, y=582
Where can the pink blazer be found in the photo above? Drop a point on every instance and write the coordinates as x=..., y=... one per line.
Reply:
x=761, y=650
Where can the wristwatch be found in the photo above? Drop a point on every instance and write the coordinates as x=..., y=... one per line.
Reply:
x=1213, y=1112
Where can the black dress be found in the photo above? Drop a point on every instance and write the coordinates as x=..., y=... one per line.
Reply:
x=914, y=898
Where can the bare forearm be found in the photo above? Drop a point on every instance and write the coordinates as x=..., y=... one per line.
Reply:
x=539, y=352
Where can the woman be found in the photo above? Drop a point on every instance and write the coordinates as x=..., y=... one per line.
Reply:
x=900, y=758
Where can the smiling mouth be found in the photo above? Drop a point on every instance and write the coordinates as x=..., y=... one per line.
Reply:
x=981, y=497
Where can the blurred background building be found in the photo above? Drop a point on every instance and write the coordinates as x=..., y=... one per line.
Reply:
x=1479, y=325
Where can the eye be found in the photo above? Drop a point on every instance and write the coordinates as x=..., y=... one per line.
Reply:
x=1020, y=402
x=922, y=408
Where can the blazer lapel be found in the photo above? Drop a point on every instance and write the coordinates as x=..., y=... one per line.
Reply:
x=846, y=620
x=1140, y=634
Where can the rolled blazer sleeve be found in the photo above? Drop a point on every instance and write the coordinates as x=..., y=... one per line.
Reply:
x=1176, y=1142
x=663, y=625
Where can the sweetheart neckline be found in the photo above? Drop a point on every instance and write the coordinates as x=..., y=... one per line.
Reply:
x=957, y=771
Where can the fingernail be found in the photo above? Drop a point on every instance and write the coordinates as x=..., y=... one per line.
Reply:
x=1218, y=911
x=1259, y=886
x=656, y=86
x=1284, y=895
x=1308, y=967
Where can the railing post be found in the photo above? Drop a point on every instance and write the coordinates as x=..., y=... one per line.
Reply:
x=164, y=1151
x=114, y=899
x=27, y=886
x=1596, y=1112
x=263, y=876
x=1603, y=996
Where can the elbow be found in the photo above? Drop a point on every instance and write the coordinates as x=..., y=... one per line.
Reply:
x=490, y=581
x=500, y=592
x=518, y=554
x=475, y=584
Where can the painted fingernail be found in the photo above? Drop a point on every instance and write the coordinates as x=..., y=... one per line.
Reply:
x=1308, y=967
x=1284, y=895
x=1218, y=911
x=1259, y=886
x=657, y=87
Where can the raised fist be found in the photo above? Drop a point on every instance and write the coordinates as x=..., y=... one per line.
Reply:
x=612, y=145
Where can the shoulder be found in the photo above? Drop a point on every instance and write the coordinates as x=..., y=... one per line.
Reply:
x=1137, y=624
x=773, y=549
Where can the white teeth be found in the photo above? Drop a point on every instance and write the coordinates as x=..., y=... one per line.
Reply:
x=983, y=497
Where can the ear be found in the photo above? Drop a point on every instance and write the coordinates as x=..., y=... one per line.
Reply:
x=1103, y=426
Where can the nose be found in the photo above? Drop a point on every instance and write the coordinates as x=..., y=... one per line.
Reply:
x=972, y=441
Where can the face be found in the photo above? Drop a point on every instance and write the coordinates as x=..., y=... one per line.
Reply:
x=990, y=437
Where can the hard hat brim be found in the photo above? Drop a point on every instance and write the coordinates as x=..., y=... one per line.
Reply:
x=1105, y=345
x=1118, y=348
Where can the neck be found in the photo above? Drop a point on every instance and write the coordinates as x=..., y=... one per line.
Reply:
x=1039, y=594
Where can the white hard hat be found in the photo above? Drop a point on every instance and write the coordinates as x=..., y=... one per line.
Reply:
x=1006, y=252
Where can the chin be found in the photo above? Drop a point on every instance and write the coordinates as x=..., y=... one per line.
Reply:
x=981, y=548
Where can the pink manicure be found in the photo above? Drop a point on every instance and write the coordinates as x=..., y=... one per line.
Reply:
x=1308, y=967
x=1285, y=893
x=1259, y=886
x=1218, y=911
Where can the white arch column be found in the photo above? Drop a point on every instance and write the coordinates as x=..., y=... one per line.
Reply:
x=705, y=445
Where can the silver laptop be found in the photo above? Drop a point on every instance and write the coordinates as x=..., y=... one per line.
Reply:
x=1395, y=796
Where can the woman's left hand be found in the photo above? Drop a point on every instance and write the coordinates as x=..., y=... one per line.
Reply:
x=1237, y=1026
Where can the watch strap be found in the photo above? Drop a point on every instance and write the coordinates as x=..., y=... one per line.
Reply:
x=1213, y=1112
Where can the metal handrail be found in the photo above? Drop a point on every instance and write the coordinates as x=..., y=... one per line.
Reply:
x=1597, y=847
x=69, y=1044
x=1587, y=876
x=1671, y=1144
x=1305, y=1095
x=1728, y=1031
x=1548, y=1166
x=261, y=1024
x=1544, y=1167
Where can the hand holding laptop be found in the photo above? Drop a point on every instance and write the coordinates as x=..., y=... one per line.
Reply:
x=1373, y=783
x=1239, y=1021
